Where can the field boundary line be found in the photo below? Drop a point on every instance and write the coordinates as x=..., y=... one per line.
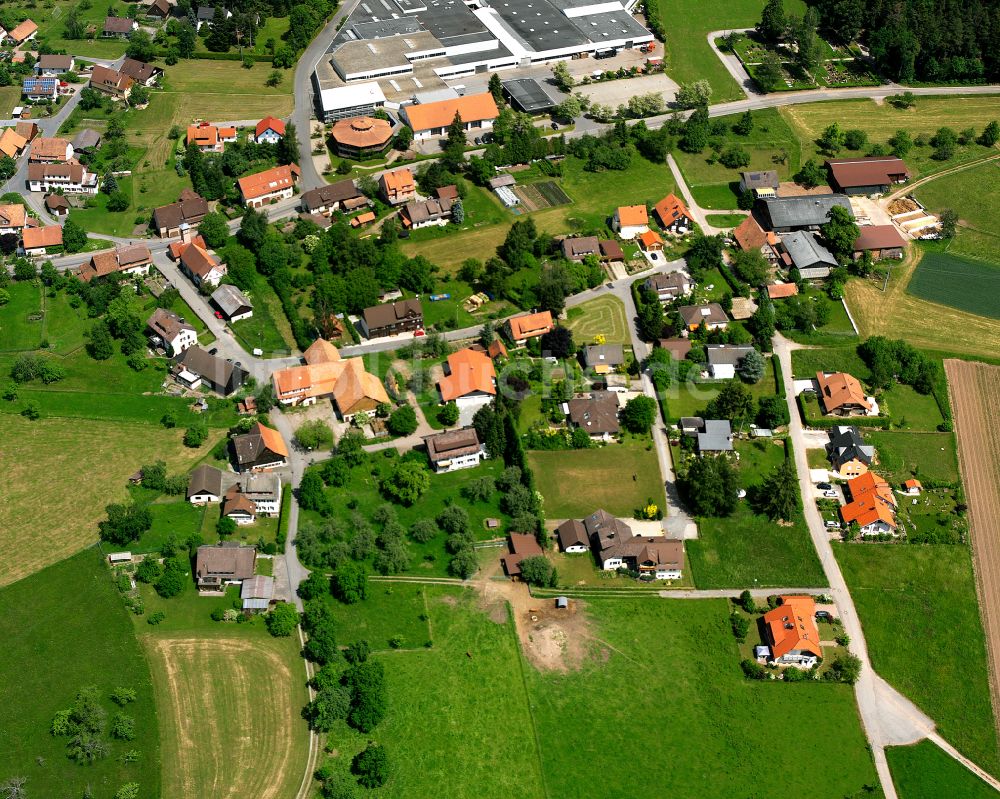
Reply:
x=527, y=699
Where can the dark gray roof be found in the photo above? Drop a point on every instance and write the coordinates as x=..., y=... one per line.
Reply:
x=717, y=436
x=801, y=212
x=452, y=444
x=596, y=414
x=528, y=94
x=228, y=561
x=378, y=316
x=712, y=314
x=846, y=444
x=768, y=179
x=230, y=300
x=261, y=486
x=86, y=139
x=215, y=370
x=604, y=354
x=731, y=354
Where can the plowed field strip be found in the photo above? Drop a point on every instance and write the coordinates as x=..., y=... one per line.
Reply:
x=975, y=400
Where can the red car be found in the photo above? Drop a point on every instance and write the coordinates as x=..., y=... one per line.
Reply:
x=218, y=314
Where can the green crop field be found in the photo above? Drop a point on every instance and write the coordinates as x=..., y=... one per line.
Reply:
x=618, y=478
x=747, y=549
x=772, y=144
x=66, y=628
x=471, y=717
x=881, y=120
x=902, y=455
x=921, y=618
x=924, y=771
x=604, y=316
x=958, y=282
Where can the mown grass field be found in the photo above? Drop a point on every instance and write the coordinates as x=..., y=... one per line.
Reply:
x=881, y=121
x=772, y=144
x=9, y=97
x=618, y=478
x=921, y=618
x=59, y=324
x=972, y=194
x=690, y=398
x=924, y=324
x=268, y=329
x=924, y=771
x=66, y=628
x=391, y=609
x=604, y=316
x=60, y=474
x=925, y=454
x=746, y=549
x=448, y=702
x=595, y=197
x=958, y=282
x=689, y=56
x=807, y=362
x=250, y=709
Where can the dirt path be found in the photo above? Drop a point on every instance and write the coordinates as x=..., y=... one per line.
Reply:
x=974, y=389
x=908, y=189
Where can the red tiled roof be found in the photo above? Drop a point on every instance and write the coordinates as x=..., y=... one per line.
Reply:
x=270, y=123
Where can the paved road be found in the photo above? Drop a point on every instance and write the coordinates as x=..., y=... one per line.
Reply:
x=732, y=62
x=889, y=718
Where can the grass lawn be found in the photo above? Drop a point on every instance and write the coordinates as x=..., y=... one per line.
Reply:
x=578, y=571
x=268, y=329
x=689, y=56
x=618, y=478
x=177, y=518
x=971, y=194
x=771, y=144
x=921, y=619
x=688, y=399
x=224, y=90
x=910, y=410
x=746, y=549
x=19, y=332
x=837, y=332
x=806, y=363
x=482, y=208
x=604, y=316
x=66, y=628
x=902, y=455
x=595, y=197
x=54, y=453
x=958, y=282
x=881, y=121
x=391, y=609
x=725, y=221
x=448, y=702
x=10, y=96
x=257, y=682
x=924, y=771
x=361, y=495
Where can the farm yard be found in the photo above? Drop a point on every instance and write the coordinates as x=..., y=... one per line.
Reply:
x=65, y=628
x=958, y=282
x=975, y=397
x=921, y=620
x=604, y=316
x=249, y=709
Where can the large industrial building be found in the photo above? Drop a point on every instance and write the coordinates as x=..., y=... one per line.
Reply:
x=413, y=46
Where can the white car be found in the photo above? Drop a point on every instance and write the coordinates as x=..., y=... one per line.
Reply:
x=833, y=525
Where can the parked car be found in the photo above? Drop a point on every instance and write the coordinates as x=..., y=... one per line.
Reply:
x=823, y=486
x=833, y=525
x=218, y=314
x=823, y=614
x=830, y=494
x=213, y=351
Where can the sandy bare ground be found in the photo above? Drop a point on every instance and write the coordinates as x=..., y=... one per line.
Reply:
x=975, y=399
x=229, y=718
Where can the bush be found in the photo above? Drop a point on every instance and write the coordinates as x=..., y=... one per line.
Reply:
x=402, y=421
x=282, y=621
x=349, y=583
x=366, y=682
x=172, y=581
x=538, y=570
x=740, y=626
x=753, y=670
x=448, y=414
x=371, y=765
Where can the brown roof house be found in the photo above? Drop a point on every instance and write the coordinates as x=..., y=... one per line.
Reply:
x=57, y=205
x=222, y=376
x=572, y=536
x=140, y=71
x=867, y=174
x=750, y=236
x=521, y=546
x=841, y=394
x=205, y=485
x=175, y=334
x=50, y=149
x=190, y=209
x=391, y=319
x=361, y=137
x=426, y=213
x=455, y=449
x=119, y=27
x=710, y=315
x=615, y=546
x=238, y=506
x=261, y=448
x=668, y=287
x=219, y=565
x=199, y=264
x=882, y=241
x=596, y=414
x=340, y=196
x=111, y=82
x=129, y=259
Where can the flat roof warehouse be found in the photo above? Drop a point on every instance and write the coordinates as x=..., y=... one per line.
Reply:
x=421, y=43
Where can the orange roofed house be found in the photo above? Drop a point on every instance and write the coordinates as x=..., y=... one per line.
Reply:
x=268, y=186
x=872, y=505
x=24, y=32
x=521, y=328
x=673, y=215
x=42, y=240
x=630, y=220
x=397, y=186
x=261, y=448
x=50, y=150
x=209, y=138
x=469, y=380
x=841, y=394
x=477, y=112
x=325, y=374
x=12, y=219
x=791, y=632
x=750, y=236
x=270, y=130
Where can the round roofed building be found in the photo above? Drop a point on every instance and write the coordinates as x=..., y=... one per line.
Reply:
x=361, y=137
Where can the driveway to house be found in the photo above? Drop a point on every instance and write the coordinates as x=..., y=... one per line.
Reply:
x=888, y=717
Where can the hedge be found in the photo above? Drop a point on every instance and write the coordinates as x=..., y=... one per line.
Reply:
x=264, y=58
x=826, y=422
